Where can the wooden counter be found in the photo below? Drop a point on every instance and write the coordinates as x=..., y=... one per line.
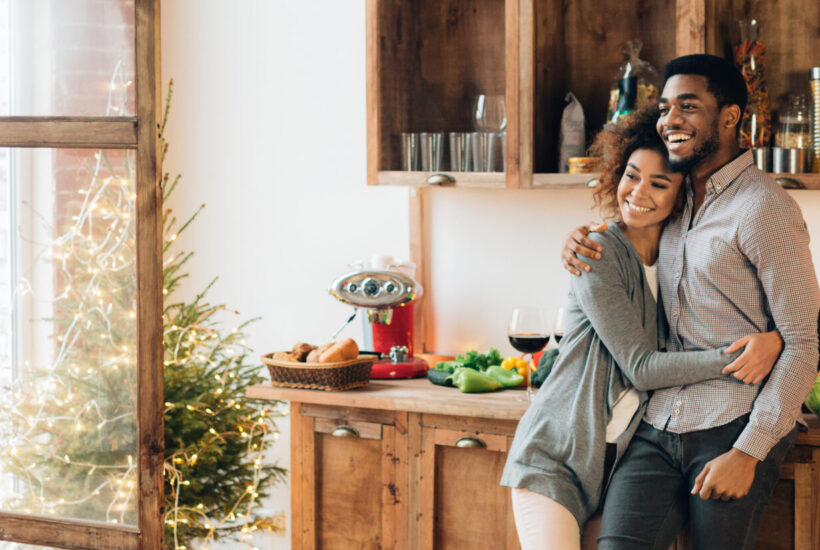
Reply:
x=406, y=464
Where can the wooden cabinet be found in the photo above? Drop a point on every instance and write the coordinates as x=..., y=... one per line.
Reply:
x=461, y=463
x=403, y=464
x=427, y=59
x=346, y=477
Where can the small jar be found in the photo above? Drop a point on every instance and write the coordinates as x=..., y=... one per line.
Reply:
x=794, y=124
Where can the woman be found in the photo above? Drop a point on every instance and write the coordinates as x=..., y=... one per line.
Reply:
x=586, y=412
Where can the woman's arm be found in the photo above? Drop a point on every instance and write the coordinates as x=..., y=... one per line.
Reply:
x=602, y=296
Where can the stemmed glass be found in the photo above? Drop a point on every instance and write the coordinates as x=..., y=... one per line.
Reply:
x=490, y=113
x=528, y=332
x=490, y=119
x=558, y=327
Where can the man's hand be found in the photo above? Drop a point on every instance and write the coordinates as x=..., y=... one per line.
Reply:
x=726, y=477
x=758, y=359
x=578, y=243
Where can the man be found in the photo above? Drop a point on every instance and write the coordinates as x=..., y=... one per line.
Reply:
x=735, y=262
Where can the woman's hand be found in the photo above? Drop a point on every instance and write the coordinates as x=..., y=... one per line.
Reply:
x=578, y=243
x=758, y=359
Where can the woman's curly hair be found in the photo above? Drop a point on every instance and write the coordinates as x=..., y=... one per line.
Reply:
x=615, y=144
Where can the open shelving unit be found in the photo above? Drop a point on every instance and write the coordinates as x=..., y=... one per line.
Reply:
x=427, y=59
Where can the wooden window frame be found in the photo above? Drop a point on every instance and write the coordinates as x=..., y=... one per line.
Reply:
x=139, y=133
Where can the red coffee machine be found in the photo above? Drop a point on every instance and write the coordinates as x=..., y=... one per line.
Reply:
x=388, y=297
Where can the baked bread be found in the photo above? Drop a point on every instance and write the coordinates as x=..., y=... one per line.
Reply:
x=340, y=351
x=301, y=351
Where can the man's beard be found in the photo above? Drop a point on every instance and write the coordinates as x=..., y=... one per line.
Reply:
x=685, y=165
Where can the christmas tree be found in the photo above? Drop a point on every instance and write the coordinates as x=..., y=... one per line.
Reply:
x=71, y=421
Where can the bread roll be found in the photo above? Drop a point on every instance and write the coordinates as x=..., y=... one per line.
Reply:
x=340, y=351
x=301, y=350
x=350, y=349
x=315, y=354
x=284, y=356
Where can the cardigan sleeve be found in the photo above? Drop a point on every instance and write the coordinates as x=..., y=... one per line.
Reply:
x=602, y=296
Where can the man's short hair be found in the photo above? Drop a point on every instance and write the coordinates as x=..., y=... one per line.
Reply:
x=723, y=80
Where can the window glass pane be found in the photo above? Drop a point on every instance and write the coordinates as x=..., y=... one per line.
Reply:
x=67, y=57
x=68, y=334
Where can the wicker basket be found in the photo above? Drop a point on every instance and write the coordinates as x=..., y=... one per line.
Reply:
x=343, y=375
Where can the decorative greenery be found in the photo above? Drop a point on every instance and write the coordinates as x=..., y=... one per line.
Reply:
x=215, y=437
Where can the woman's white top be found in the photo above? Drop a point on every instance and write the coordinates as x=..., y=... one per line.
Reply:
x=628, y=402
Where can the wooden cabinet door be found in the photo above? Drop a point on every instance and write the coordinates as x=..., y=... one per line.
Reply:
x=345, y=491
x=462, y=503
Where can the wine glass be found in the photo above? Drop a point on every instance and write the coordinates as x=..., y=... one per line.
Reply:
x=490, y=119
x=528, y=332
x=559, y=326
x=490, y=113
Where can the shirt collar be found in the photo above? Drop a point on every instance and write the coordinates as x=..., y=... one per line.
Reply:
x=721, y=179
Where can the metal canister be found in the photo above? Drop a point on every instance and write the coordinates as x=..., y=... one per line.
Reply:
x=814, y=78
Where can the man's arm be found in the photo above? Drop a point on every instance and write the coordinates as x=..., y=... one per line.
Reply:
x=775, y=240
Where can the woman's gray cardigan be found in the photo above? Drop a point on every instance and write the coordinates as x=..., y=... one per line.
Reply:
x=612, y=321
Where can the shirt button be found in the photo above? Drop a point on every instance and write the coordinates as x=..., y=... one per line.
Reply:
x=678, y=404
x=677, y=274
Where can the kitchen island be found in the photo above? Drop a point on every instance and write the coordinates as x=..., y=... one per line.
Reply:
x=406, y=464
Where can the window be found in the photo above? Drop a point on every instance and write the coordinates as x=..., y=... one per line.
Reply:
x=80, y=274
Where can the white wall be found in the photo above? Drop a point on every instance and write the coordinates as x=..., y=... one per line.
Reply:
x=268, y=129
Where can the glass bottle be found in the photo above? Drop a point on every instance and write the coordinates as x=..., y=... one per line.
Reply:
x=750, y=54
x=794, y=124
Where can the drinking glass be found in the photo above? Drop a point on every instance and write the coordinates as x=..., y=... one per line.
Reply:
x=528, y=332
x=558, y=327
x=490, y=113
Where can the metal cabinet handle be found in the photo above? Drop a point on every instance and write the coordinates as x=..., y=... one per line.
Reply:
x=470, y=443
x=440, y=179
x=344, y=431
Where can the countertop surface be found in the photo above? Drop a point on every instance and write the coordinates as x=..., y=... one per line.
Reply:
x=419, y=395
x=412, y=395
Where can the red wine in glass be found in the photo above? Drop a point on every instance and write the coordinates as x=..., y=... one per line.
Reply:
x=528, y=331
x=529, y=343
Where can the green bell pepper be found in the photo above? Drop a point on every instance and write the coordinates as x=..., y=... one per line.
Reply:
x=507, y=378
x=469, y=380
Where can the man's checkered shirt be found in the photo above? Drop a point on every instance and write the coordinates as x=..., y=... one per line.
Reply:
x=743, y=266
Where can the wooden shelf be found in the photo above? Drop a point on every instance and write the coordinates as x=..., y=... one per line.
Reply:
x=810, y=181
x=478, y=180
x=497, y=180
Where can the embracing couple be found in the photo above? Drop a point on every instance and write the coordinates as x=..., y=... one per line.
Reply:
x=707, y=258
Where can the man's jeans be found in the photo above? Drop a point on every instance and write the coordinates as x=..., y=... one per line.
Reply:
x=648, y=500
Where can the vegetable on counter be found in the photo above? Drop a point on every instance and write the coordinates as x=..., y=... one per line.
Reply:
x=813, y=400
x=518, y=365
x=507, y=378
x=480, y=361
x=469, y=380
x=544, y=367
x=440, y=377
x=448, y=366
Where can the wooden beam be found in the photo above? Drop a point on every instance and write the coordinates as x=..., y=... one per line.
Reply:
x=690, y=36
x=69, y=132
x=512, y=67
x=65, y=533
x=526, y=93
x=417, y=256
x=373, y=90
x=150, y=367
